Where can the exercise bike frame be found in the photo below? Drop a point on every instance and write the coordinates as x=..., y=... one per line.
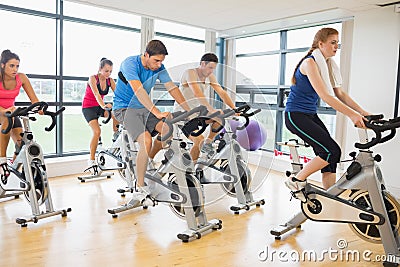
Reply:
x=29, y=160
x=362, y=175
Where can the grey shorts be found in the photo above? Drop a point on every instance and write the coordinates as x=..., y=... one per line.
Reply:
x=137, y=121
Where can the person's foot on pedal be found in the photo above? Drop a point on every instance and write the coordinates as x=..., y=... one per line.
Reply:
x=142, y=193
x=92, y=167
x=4, y=171
x=296, y=186
x=207, y=148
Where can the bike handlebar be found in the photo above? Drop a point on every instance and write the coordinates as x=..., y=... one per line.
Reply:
x=108, y=117
x=378, y=125
x=32, y=109
x=180, y=116
x=220, y=118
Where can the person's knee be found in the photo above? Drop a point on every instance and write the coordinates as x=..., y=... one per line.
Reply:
x=97, y=133
x=336, y=153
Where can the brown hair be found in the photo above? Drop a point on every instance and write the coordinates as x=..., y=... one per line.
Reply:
x=6, y=56
x=321, y=36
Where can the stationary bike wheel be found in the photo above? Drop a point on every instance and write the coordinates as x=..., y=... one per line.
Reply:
x=245, y=178
x=197, y=202
x=40, y=187
x=370, y=232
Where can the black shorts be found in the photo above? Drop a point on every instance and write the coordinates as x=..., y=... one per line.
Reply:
x=312, y=130
x=17, y=123
x=93, y=113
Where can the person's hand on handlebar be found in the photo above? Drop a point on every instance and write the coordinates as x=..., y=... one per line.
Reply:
x=161, y=115
x=358, y=120
x=108, y=105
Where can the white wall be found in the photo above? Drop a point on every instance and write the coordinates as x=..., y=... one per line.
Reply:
x=373, y=75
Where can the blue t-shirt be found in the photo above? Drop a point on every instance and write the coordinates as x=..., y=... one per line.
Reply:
x=133, y=69
x=302, y=96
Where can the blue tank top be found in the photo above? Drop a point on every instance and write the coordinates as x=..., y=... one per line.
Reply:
x=302, y=96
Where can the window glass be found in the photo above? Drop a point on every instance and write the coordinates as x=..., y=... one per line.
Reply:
x=77, y=133
x=260, y=43
x=161, y=95
x=45, y=90
x=85, y=45
x=44, y=138
x=39, y=5
x=240, y=98
x=179, y=29
x=91, y=12
x=74, y=91
x=37, y=52
x=304, y=37
x=292, y=59
x=265, y=98
x=181, y=53
x=267, y=119
x=259, y=70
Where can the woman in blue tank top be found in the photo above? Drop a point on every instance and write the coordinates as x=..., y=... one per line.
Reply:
x=301, y=113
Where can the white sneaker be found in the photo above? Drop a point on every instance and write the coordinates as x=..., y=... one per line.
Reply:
x=4, y=172
x=142, y=194
x=92, y=167
x=296, y=186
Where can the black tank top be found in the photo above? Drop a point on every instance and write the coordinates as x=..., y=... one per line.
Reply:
x=108, y=84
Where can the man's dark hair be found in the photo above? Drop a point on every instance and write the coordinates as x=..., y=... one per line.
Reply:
x=209, y=57
x=156, y=47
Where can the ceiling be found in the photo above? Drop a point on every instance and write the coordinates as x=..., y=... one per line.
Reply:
x=242, y=17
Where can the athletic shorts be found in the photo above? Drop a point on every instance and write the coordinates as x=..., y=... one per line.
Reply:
x=312, y=130
x=93, y=113
x=137, y=121
x=17, y=123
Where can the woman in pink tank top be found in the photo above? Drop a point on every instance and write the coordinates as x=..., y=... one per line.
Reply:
x=11, y=82
x=93, y=106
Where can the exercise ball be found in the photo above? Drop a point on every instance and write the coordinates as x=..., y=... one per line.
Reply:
x=252, y=137
x=234, y=124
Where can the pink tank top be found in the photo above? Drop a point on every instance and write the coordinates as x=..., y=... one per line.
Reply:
x=7, y=97
x=89, y=100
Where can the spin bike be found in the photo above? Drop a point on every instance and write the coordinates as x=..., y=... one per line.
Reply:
x=107, y=159
x=29, y=168
x=185, y=190
x=358, y=198
x=220, y=168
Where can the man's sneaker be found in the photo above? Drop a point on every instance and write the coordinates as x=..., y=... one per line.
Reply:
x=207, y=148
x=297, y=188
x=93, y=168
x=142, y=194
x=4, y=172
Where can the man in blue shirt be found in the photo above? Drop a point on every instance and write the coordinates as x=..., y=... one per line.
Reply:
x=133, y=107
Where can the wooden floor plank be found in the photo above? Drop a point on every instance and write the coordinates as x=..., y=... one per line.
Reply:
x=89, y=236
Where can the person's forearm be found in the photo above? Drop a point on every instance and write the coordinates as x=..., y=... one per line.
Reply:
x=144, y=98
x=227, y=100
x=337, y=105
x=345, y=98
x=179, y=98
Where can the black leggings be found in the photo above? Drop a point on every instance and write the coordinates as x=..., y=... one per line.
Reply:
x=312, y=130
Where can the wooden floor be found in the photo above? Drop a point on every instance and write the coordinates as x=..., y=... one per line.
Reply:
x=89, y=236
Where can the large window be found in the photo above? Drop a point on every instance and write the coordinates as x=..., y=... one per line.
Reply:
x=266, y=63
x=37, y=51
x=86, y=45
x=185, y=45
x=60, y=44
